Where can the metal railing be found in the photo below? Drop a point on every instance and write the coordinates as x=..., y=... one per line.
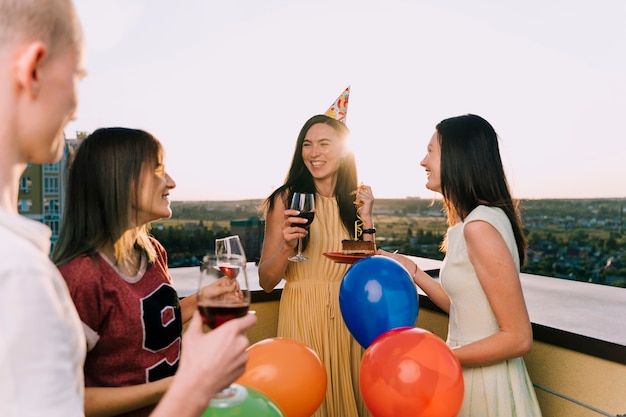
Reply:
x=577, y=402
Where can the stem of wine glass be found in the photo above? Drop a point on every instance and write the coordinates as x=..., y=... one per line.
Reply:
x=299, y=247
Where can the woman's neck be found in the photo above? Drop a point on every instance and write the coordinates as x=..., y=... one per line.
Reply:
x=128, y=265
x=325, y=187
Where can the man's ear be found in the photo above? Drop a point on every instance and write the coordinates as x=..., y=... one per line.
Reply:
x=28, y=69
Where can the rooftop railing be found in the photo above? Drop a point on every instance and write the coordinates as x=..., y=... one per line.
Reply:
x=578, y=363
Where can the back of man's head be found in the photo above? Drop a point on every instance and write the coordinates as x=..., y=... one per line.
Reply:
x=53, y=22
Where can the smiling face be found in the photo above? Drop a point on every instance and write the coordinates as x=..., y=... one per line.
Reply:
x=154, y=190
x=432, y=164
x=322, y=151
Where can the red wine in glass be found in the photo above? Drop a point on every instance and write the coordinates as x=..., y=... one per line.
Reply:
x=223, y=295
x=309, y=216
x=305, y=204
x=231, y=271
x=214, y=315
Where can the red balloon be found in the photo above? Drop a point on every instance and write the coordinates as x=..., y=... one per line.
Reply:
x=411, y=372
x=289, y=372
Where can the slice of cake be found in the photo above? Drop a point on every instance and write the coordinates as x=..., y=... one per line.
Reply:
x=358, y=247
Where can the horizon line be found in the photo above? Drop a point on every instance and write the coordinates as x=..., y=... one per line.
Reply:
x=410, y=198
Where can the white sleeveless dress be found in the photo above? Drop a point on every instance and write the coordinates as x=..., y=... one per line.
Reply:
x=503, y=389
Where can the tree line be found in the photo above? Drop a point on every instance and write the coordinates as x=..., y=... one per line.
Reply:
x=580, y=239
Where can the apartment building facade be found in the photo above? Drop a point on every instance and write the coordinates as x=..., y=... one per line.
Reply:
x=42, y=189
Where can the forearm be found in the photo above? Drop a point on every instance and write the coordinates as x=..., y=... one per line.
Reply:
x=177, y=401
x=187, y=306
x=272, y=269
x=432, y=288
x=111, y=401
x=364, y=202
x=368, y=225
x=495, y=348
x=209, y=362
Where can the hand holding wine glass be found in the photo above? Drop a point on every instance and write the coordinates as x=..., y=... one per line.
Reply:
x=305, y=204
x=233, y=299
x=223, y=294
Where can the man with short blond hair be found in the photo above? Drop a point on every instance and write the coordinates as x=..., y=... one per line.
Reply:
x=42, y=345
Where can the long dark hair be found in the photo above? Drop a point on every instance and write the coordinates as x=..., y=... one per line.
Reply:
x=472, y=173
x=300, y=179
x=102, y=184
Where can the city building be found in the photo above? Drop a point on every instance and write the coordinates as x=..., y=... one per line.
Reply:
x=42, y=189
x=251, y=232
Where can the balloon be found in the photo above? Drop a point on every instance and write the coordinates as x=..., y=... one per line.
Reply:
x=289, y=372
x=255, y=404
x=376, y=295
x=411, y=372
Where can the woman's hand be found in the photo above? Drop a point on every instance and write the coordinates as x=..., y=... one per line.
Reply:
x=364, y=199
x=409, y=265
x=209, y=362
x=291, y=232
x=430, y=286
x=279, y=243
x=217, y=358
x=222, y=286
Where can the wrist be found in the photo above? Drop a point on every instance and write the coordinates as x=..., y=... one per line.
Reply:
x=287, y=248
x=369, y=231
x=415, y=271
x=176, y=398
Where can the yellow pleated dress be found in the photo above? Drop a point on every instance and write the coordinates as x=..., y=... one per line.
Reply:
x=310, y=312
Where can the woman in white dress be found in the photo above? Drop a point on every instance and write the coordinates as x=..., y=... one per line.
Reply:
x=489, y=329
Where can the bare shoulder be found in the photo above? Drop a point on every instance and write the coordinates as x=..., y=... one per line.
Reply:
x=279, y=201
x=482, y=236
x=478, y=228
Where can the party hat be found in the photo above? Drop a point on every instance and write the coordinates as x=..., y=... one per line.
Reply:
x=339, y=108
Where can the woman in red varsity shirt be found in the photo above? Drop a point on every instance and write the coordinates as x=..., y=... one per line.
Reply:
x=117, y=273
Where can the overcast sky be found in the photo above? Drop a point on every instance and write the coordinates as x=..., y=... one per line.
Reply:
x=227, y=85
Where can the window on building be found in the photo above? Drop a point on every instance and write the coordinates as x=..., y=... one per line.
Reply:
x=51, y=167
x=51, y=206
x=25, y=184
x=54, y=226
x=51, y=185
x=25, y=206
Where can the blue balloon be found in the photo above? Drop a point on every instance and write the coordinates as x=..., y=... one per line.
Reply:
x=376, y=295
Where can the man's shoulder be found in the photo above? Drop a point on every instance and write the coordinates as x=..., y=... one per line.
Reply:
x=21, y=251
x=20, y=234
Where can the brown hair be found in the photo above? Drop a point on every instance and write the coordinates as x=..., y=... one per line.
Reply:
x=103, y=181
x=472, y=173
x=300, y=179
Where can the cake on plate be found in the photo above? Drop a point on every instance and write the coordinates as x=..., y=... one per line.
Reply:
x=358, y=247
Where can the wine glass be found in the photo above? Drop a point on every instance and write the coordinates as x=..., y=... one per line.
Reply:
x=305, y=204
x=223, y=294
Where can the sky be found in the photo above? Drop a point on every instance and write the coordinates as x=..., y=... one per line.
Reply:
x=227, y=85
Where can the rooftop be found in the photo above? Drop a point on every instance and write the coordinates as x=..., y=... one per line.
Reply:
x=595, y=311
x=578, y=363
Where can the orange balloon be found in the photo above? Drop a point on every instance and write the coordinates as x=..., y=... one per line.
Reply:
x=411, y=372
x=289, y=372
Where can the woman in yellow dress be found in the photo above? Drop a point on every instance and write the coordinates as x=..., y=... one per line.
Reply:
x=309, y=307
